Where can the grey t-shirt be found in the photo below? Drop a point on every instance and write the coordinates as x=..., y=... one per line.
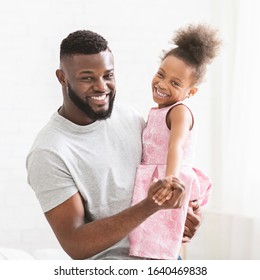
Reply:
x=98, y=160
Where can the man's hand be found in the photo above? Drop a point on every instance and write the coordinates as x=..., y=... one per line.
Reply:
x=192, y=222
x=177, y=190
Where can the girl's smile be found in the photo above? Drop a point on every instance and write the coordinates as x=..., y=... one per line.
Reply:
x=173, y=82
x=157, y=91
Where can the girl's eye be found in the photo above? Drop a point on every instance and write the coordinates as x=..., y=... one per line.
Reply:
x=175, y=84
x=159, y=74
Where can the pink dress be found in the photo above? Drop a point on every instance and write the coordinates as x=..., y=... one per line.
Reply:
x=160, y=236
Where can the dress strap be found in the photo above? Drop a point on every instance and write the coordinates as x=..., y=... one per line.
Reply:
x=184, y=104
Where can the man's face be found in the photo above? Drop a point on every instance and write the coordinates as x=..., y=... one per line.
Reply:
x=85, y=106
x=90, y=86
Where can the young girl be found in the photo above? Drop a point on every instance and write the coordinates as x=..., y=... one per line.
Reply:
x=168, y=142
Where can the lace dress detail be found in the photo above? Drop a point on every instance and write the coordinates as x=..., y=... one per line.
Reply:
x=160, y=236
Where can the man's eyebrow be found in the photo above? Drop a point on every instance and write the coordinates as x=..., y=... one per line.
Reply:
x=86, y=72
x=91, y=72
x=110, y=70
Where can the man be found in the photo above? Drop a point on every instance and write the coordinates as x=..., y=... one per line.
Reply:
x=82, y=164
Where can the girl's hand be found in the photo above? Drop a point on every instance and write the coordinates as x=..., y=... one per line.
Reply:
x=162, y=195
x=175, y=191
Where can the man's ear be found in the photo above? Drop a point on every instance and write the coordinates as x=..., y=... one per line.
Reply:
x=61, y=77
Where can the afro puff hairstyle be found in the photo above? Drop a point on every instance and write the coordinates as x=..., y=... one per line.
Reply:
x=197, y=45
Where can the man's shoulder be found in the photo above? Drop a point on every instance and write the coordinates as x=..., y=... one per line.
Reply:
x=126, y=111
x=48, y=136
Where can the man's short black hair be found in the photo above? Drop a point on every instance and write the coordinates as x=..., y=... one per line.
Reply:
x=82, y=42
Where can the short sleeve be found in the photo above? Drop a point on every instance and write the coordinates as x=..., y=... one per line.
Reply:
x=49, y=178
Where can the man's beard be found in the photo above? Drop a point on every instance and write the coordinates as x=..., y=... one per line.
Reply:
x=86, y=108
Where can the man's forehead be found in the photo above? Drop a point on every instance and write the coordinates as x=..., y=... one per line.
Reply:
x=105, y=56
x=89, y=62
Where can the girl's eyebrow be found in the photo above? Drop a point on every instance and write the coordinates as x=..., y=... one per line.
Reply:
x=173, y=77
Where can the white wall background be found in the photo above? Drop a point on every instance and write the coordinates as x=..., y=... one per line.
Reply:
x=30, y=35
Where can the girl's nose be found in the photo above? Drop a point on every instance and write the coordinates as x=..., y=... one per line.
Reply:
x=161, y=84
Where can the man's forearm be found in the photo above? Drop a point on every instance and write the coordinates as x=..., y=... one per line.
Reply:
x=99, y=235
x=81, y=240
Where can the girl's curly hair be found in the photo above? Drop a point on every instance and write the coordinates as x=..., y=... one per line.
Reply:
x=197, y=45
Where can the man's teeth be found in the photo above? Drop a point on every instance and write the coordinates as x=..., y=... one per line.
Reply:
x=101, y=97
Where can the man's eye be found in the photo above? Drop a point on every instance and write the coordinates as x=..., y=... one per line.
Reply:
x=110, y=75
x=86, y=78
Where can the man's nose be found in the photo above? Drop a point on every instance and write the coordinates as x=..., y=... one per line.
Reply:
x=100, y=85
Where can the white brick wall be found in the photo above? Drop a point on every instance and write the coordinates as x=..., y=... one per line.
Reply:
x=30, y=34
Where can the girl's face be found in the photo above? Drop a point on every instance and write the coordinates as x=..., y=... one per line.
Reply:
x=173, y=82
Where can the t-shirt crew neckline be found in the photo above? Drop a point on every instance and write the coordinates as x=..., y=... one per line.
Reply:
x=75, y=127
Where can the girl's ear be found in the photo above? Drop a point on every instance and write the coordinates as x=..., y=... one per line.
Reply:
x=193, y=91
x=61, y=77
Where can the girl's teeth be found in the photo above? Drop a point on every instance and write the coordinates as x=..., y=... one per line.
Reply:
x=161, y=94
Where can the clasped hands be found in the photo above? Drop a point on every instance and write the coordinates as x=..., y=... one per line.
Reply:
x=169, y=191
